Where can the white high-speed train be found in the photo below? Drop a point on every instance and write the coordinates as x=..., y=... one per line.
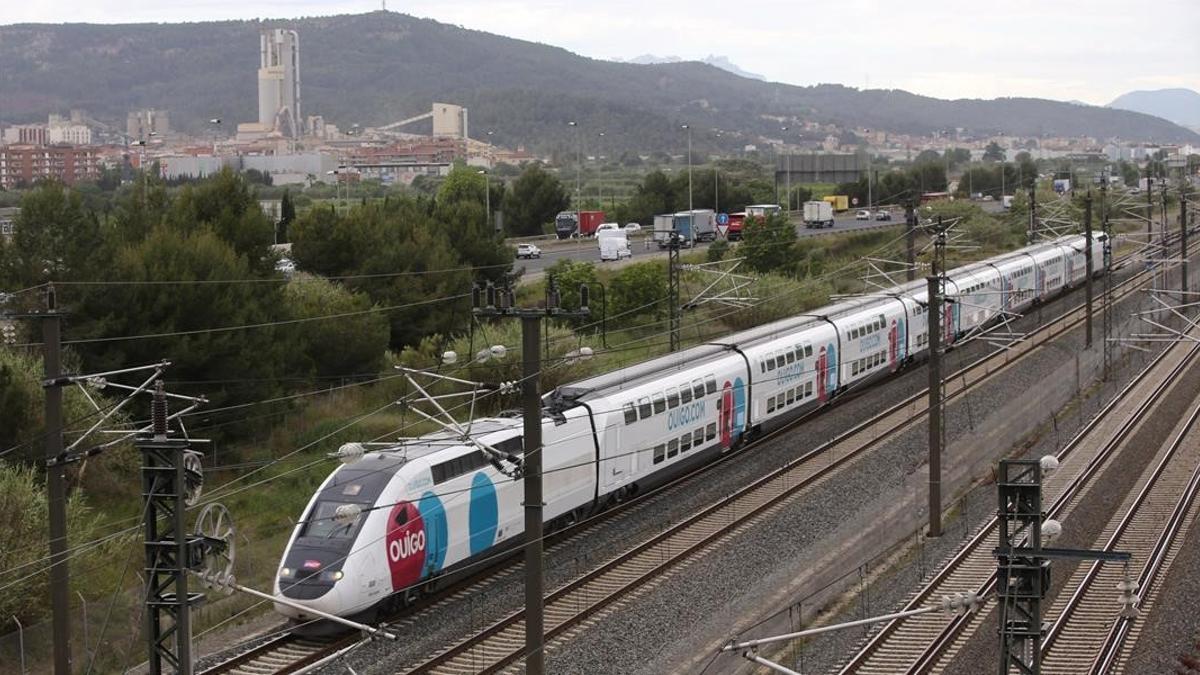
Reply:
x=400, y=520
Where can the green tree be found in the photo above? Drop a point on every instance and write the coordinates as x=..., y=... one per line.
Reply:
x=536, y=197
x=225, y=204
x=636, y=291
x=717, y=250
x=287, y=215
x=346, y=346
x=55, y=238
x=958, y=156
x=464, y=183
x=206, y=353
x=767, y=243
x=993, y=153
x=928, y=157
x=1129, y=173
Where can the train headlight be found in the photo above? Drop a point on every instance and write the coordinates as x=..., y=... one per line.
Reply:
x=332, y=576
x=285, y=573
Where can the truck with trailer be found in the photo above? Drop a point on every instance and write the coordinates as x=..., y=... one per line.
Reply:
x=737, y=220
x=569, y=224
x=703, y=223
x=818, y=214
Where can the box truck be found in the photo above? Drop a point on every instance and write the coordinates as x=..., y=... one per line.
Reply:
x=818, y=214
x=838, y=202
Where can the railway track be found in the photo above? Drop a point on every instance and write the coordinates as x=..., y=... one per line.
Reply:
x=926, y=642
x=1150, y=524
x=501, y=643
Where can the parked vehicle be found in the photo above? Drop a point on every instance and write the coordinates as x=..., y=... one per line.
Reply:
x=528, y=251
x=633, y=227
x=862, y=215
x=883, y=215
x=614, y=246
x=818, y=214
x=1062, y=185
x=838, y=202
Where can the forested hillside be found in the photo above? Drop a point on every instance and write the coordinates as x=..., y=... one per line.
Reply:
x=380, y=67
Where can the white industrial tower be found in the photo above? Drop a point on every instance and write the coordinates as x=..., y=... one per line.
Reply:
x=279, y=81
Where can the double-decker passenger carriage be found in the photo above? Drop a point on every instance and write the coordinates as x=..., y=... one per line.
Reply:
x=405, y=517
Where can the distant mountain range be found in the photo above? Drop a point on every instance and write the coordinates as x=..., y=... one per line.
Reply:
x=380, y=67
x=721, y=62
x=1181, y=106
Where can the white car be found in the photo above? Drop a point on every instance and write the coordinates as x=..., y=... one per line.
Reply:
x=632, y=227
x=528, y=251
x=862, y=215
x=286, y=266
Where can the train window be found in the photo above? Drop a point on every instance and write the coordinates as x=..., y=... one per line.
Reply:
x=808, y=389
x=672, y=398
x=854, y=368
x=718, y=405
x=791, y=396
x=660, y=453
x=762, y=365
x=697, y=437
x=807, y=350
x=685, y=395
x=630, y=413
x=401, y=516
x=320, y=523
x=698, y=388
x=643, y=407
x=660, y=403
x=791, y=357
x=710, y=384
x=710, y=432
x=513, y=446
x=685, y=442
x=771, y=404
x=771, y=362
x=672, y=447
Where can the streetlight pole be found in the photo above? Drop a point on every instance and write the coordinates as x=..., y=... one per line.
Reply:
x=691, y=215
x=599, y=170
x=578, y=172
x=789, y=172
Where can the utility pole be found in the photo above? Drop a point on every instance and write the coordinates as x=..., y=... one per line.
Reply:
x=936, y=291
x=531, y=463
x=1183, y=245
x=673, y=289
x=1033, y=212
x=1106, y=317
x=910, y=237
x=56, y=484
x=1087, y=229
x=789, y=174
x=1149, y=210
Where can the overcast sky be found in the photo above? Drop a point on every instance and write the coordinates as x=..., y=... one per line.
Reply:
x=1091, y=50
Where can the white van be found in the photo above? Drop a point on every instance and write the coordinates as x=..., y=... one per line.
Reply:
x=607, y=227
x=613, y=246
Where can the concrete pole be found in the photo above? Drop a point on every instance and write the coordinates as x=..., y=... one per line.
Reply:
x=534, y=582
x=935, y=404
x=1183, y=247
x=1087, y=228
x=56, y=489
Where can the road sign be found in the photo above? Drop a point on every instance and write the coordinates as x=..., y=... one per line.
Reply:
x=854, y=201
x=722, y=228
x=722, y=218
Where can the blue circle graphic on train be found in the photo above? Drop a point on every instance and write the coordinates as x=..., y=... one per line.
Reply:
x=436, y=531
x=483, y=513
x=739, y=407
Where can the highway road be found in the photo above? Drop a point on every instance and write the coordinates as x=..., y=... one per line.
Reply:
x=588, y=250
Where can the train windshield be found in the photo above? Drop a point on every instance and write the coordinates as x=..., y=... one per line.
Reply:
x=321, y=523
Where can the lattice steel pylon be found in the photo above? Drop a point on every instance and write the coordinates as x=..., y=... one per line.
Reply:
x=170, y=480
x=1022, y=578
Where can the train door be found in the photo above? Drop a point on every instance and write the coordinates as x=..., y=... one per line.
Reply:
x=619, y=465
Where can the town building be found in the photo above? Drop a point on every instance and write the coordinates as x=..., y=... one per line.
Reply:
x=27, y=164
x=141, y=124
